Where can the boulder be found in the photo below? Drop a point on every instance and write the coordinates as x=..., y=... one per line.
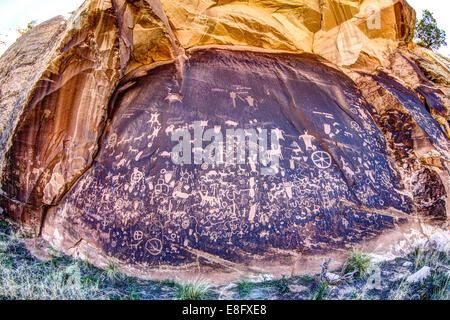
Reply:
x=97, y=116
x=420, y=275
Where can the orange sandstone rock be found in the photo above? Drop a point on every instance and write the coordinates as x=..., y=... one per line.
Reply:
x=88, y=107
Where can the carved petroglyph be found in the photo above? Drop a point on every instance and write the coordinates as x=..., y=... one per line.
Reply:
x=153, y=246
x=159, y=203
x=321, y=159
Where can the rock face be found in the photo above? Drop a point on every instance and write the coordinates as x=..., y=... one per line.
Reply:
x=58, y=135
x=355, y=118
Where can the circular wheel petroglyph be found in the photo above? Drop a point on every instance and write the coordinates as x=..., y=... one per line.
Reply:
x=321, y=159
x=154, y=246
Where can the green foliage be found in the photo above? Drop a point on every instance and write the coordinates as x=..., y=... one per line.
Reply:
x=282, y=285
x=29, y=26
x=307, y=278
x=435, y=287
x=169, y=283
x=424, y=256
x=356, y=296
x=428, y=33
x=134, y=294
x=112, y=272
x=197, y=290
x=357, y=261
x=22, y=277
x=418, y=255
x=244, y=287
x=401, y=292
x=321, y=291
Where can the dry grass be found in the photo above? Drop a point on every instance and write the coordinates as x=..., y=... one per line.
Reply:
x=436, y=285
x=24, y=278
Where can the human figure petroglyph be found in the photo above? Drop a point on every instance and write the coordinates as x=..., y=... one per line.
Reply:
x=154, y=119
x=307, y=140
x=153, y=135
x=233, y=96
x=250, y=101
x=112, y=141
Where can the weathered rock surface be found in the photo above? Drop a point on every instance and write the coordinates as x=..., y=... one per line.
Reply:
x=420, y=275
x=360, y=113
x=61, y=111
x=20, y=68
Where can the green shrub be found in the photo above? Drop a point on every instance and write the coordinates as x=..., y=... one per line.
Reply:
x=197, y=290
x=359, y=262
x=321, y=291
x=428, y=33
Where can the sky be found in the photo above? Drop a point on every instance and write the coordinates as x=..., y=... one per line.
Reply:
x=18, y=13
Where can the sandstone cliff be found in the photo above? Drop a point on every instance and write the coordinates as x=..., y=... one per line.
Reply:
x=88, y=105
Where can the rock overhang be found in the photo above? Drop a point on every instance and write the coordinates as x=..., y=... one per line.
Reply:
x=159, y=64
x=333, y=187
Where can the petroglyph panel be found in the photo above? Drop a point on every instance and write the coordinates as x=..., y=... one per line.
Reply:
x=333, y=185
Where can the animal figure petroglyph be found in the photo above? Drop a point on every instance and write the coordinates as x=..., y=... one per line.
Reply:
x=181, y=195
x=139, y=138
x=131, y=149
x=104, y=236
x=212, y=201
